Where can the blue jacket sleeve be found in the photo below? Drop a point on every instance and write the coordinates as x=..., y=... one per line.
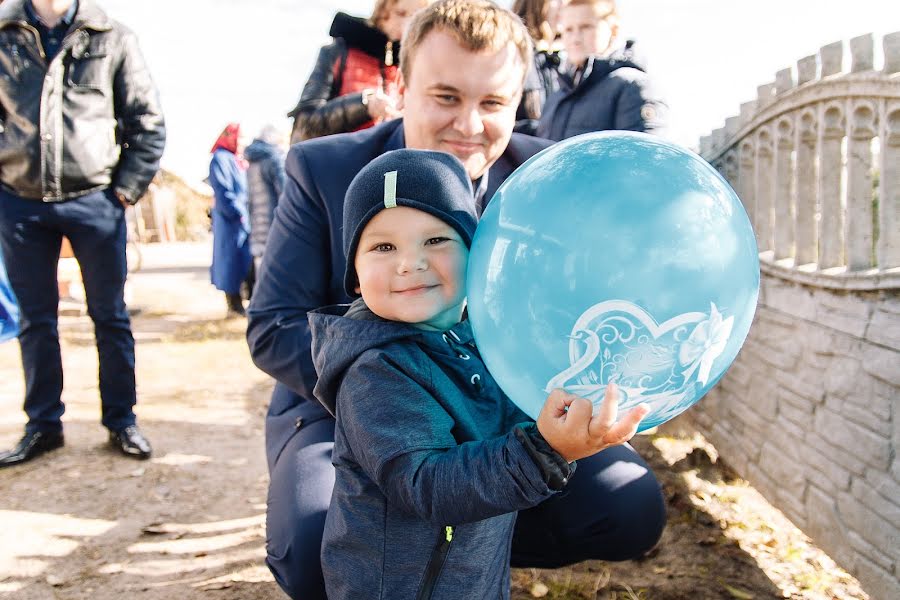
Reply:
x=292, y=280
x=401, y=437
x=221, y=178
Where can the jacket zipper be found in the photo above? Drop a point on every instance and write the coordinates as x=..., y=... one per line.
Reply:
x=435, y=564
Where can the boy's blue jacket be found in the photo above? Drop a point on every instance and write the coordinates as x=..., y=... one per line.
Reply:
x=613, y=93
x=425, y=441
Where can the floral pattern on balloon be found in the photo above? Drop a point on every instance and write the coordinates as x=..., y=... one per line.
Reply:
x=663, y=364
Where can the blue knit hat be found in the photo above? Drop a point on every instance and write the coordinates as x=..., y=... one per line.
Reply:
x=433, y=182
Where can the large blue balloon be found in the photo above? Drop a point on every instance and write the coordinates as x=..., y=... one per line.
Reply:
x=613, y=256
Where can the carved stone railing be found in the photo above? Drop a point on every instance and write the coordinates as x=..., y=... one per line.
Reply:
x=816, y=161
x=809, y=412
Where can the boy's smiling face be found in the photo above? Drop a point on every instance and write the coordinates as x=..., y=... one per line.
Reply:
x=411, y=268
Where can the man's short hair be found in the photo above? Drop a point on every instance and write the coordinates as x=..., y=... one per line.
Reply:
x=477, y=25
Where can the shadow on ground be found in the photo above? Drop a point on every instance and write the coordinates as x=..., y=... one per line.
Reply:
x=188, y=522
x=694, y=558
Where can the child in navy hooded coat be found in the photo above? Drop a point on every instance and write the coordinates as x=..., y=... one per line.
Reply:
x=432, y=459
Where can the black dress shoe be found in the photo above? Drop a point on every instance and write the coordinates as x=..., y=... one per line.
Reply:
x=131, y=442
x=30, y=446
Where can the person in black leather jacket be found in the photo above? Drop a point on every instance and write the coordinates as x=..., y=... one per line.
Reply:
x=354, y=82
x=81, y=135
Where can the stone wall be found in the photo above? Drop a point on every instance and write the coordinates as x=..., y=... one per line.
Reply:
x=809, y=412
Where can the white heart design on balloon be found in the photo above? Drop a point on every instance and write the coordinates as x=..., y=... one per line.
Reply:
x=660, y=363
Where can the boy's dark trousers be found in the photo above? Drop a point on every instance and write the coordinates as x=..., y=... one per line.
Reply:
x=31, y=235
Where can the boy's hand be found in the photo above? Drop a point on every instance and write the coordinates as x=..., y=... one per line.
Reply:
x=567, y=423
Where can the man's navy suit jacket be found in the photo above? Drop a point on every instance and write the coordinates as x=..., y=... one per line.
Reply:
x=303, y=265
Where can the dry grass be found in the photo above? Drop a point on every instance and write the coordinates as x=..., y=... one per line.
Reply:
x=723, y=540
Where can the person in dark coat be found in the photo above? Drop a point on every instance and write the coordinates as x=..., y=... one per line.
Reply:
x=601, y=88
x=265, y=180
x=354, y=82
x=81, y=136
x=541, y=80
x=432, y=459
x=477, y=52
x=230, y=220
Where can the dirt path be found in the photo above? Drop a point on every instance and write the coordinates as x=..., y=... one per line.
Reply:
x=85, y=523
x=186, y=522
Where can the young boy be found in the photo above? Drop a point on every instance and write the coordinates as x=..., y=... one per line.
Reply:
x=601, y=86
x=432, y=459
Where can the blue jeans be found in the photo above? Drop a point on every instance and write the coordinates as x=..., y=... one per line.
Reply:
x=31, y=235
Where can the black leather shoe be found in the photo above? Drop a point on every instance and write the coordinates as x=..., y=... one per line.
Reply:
x=131, y=442
x=30, y=446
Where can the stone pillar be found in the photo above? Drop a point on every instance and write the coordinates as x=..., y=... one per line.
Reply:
x=831, y=223
x=888, y=251
x=891, y=45
x=765, y=192
x=730, y=168
x=806, y=69
x=784, y=176
x=765, y=95
x=746, y=181
x=805, y=220
x=748, y=111
x=831, y=57
x=862, y=53
x=859, y=225
x=784, y=81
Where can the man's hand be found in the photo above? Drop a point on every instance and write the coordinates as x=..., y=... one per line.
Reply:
x=569, y=426
x=123, y=199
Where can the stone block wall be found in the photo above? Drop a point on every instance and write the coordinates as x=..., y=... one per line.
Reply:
x=809, y=413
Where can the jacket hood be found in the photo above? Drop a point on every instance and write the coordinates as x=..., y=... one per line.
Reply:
x=260, y=150
x=343, y=332
x=360, y=35
x=340, y=334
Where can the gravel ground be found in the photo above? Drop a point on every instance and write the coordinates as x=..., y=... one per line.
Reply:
x=86, y=523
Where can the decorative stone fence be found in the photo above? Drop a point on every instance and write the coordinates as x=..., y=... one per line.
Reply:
x=810, y=411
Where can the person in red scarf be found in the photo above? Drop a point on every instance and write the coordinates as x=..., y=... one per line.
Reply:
x=355, y=79
x=230, y=220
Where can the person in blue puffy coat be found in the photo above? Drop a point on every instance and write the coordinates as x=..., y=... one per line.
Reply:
x=601, y=87
x=265, y=180
x=230, y=219
x=9, y=310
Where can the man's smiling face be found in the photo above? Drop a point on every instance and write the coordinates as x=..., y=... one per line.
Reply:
x=462, y=102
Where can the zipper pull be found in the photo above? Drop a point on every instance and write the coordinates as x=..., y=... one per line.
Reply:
x=448, y=530
x=389, y=53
